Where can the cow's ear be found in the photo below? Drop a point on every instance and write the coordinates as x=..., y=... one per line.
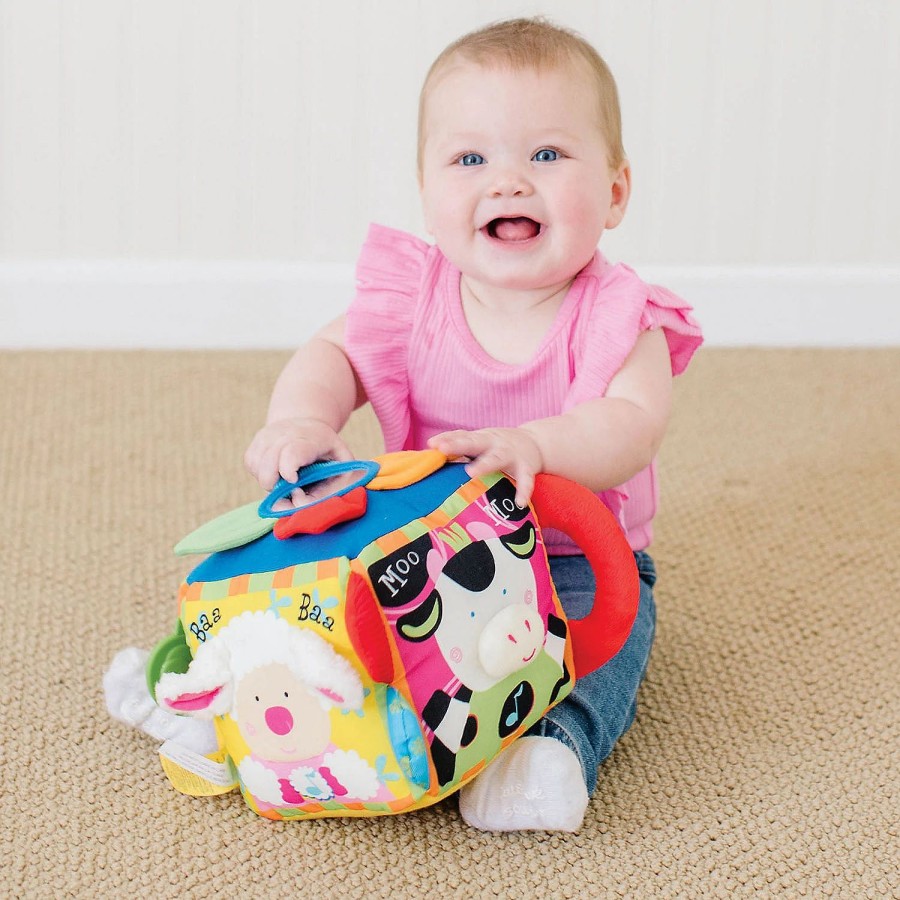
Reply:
x=481, y=531
x=473, y=568
x=434, y=563
x=423, y=621
x=522, y=542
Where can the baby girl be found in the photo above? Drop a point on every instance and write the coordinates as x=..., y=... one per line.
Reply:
x=512, y=342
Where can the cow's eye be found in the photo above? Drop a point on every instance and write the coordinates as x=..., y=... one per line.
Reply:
x=257, y=699
x=285, y=694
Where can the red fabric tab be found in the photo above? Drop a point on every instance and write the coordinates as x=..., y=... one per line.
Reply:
x=368, y=630
x=319, y=517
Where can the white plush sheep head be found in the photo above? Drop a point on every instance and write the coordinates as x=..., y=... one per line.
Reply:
x=276, y=681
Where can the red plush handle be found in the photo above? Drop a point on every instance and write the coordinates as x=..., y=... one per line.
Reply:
x=573, y=509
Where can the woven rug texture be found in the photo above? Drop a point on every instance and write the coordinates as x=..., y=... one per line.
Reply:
x=765, y=756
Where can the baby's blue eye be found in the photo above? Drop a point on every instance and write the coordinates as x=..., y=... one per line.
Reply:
x=546, y=155
x=471, y=159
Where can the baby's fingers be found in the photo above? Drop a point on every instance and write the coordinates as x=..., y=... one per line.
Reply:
x=495, y=460
x=268, y=471
x=454, y=443
x=340, y=452
x=487, y=460
x=294, y=456
x=261, y=463
x=297, y=454
x=524, y=479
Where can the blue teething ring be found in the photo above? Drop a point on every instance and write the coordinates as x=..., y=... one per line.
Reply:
x=311, y=474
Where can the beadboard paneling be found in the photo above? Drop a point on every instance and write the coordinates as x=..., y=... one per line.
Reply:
x=762, y=132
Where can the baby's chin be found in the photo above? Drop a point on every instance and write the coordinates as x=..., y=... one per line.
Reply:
x=522, y=280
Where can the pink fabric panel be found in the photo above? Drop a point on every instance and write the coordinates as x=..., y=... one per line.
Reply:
x=388, y=275
x=667, y=311
x=424, y=373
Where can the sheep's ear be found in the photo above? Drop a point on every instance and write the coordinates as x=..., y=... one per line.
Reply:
x=334, y=679
x=332, y=696
x=192, y=703
x=204, y=691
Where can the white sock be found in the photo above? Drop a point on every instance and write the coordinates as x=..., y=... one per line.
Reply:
x=535, y=785
x=128, y=700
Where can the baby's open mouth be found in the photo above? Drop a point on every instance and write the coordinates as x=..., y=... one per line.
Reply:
x=517, y=228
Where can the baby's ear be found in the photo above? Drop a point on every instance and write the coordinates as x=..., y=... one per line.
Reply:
x=621, y=193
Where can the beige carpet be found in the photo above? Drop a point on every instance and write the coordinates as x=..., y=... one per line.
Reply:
x=766, y=753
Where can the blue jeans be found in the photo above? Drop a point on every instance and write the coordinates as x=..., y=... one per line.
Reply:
x=602, y=705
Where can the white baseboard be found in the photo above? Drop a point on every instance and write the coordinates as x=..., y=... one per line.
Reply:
x=238, y=305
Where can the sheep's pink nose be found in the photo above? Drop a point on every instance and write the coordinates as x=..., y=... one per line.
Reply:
x=279, y=719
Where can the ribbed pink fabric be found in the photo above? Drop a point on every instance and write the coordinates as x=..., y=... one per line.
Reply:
x=424, y=373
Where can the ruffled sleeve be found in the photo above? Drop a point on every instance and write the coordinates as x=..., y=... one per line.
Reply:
x=380, y=322
x=617, y=307
x=665, y=310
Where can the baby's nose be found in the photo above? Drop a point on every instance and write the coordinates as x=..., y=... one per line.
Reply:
x=511, y=183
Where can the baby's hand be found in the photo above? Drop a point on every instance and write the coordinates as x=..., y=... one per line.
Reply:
x=510, y=450
x=281, y=448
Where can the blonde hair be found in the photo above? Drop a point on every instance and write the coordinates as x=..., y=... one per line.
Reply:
x=538, y=44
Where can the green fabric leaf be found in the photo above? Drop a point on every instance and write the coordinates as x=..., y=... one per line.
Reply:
x=233, y=529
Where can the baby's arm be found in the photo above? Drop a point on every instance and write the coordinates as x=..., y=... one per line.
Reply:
x=600, y=443
x=311, y=401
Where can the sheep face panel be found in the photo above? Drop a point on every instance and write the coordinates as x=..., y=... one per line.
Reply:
x=298, y=715
x=279, y=717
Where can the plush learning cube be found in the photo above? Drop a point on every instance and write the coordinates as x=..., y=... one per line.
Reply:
x=372, y=651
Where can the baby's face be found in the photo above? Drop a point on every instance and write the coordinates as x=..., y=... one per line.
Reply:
x=516, y=183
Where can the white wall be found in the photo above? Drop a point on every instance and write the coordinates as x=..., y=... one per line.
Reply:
x=144, y=141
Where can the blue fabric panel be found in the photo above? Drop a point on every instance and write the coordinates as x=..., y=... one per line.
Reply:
x=387, y=511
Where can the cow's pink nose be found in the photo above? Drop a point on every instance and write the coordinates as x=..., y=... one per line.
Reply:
x=279, y=719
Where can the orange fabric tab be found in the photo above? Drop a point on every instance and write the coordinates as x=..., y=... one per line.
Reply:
x=405, y=467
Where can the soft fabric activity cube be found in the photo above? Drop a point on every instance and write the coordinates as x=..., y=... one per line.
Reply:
x=370, y=652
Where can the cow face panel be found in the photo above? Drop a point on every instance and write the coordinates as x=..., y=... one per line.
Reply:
x=489, y=625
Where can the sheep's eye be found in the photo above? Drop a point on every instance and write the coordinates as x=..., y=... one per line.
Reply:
x=285, y=694
x=257, y=699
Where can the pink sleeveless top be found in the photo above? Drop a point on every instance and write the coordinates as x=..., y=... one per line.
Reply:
x=423, y=372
